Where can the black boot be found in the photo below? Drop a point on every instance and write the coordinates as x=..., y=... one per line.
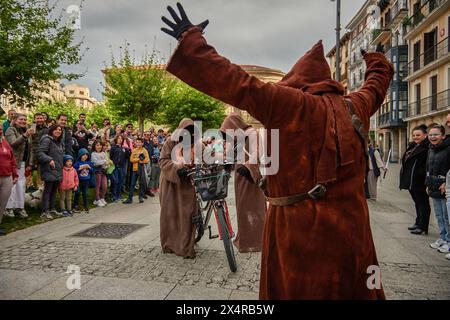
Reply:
x=414, y=227
x=419, y=231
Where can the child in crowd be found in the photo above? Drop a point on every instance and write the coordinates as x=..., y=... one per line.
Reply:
x=138, y=158
x=100, y=161
x=85, y=170
x=69, y=182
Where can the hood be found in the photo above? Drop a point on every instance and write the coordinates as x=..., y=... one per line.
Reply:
x=234, y=121
x=312, y=74
x=82, y=152
x=187, y=124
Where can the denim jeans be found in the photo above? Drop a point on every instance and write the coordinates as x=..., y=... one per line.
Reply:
x=83, y=189
x=440, y=209
x=447, y=193
x=117, y=180
x=134, y=177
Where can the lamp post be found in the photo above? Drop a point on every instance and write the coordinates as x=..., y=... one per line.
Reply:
x=338, y=39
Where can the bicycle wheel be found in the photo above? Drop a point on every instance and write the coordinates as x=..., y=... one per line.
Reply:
x=226, y=238
x=199, y=228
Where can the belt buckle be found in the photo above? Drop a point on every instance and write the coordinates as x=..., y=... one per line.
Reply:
x=317, y=192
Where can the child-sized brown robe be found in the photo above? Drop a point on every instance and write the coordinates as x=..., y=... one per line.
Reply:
x=250, y=200
x=178, y=204
x=314, y=249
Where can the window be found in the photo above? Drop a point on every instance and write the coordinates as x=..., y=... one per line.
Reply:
x=82, y=93
x=71, y=92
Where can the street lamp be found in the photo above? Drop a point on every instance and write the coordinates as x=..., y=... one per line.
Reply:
x=338, y=39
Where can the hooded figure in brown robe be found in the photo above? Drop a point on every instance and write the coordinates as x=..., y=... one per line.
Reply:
x=313, y=249
x=178, y=202
x=250, y=200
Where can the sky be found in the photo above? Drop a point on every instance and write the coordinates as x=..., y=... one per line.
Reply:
x=268, y=33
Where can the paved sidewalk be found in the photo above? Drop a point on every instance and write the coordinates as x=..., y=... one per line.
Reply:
x=34, y=261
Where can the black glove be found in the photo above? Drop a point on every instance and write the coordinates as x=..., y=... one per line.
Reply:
x=228, y=167
x=243, y=171
x=380, y=48
x=142, y=157
x=180, y=25
x=182, y=173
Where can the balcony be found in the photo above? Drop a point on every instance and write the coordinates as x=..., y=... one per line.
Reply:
x=399, y=11
x=392, y=119
x=427, y=60
x=379, y=36
x=414, y=24
x=434, y=104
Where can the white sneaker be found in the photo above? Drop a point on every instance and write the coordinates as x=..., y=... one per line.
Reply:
x=437, y=244
x=447, y=256
x=23, y=213
x=445, y=248
x=100, y=203
x=9, y=213
x=104, y=201
x=95, y=203
x=46, y=215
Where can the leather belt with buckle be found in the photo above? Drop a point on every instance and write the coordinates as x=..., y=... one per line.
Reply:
x=316, y=193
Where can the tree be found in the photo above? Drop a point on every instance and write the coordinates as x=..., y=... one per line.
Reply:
x=190, y=103
x=93, y=115
x=136, y=90
x=33, y=45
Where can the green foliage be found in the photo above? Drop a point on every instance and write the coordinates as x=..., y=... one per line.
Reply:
x=93, y=115
x=190, y=103
x=33, y=45
x=136, y=90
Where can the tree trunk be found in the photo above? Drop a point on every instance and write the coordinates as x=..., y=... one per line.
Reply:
x=141, y=123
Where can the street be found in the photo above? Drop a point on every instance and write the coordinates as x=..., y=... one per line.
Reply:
x=34, y=261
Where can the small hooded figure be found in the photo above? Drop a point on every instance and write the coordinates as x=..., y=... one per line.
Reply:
x=250, y=200
x=312, y=248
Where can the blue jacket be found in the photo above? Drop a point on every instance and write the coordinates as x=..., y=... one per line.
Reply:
x=84, y=174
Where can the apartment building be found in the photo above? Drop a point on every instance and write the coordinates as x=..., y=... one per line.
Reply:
x=343, y=61
x=391, y=127
x=428, y=70
x=80, y=95
x=360, y=28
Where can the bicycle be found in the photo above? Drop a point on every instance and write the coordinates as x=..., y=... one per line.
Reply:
x=211, y=189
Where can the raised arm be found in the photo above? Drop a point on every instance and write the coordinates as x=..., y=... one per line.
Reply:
x=377, y=79
x=200, y=66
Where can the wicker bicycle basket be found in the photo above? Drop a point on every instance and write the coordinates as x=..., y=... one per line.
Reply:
x=213, y=186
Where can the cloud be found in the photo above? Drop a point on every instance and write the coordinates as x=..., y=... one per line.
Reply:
x=268, y=33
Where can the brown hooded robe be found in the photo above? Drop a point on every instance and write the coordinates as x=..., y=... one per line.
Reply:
x=250, y=200
x=178, y=204
x=314, y=249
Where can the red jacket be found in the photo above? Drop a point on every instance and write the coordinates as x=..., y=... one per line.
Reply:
x=8, y=166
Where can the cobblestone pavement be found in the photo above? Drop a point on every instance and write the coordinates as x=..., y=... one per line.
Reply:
x=410, y=269
x=208, y=269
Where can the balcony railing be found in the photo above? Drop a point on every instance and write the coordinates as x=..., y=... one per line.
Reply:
x=436, y=52
x=399, y=11
x=392, y=119
x=423, y=13
x=434, y=103
x=379, y=35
